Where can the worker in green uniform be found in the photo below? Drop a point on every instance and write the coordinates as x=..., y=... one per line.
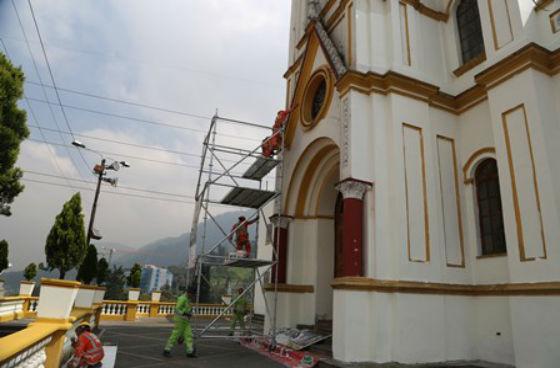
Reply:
x=182, y=329
x=240, y=310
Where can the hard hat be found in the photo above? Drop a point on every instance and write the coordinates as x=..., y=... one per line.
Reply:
x=85, y=324
x=241, y=218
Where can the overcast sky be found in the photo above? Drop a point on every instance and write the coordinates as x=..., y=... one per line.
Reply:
x=193, y=56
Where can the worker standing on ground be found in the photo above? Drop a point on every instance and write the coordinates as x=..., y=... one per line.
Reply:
x=240, y=310
x=182, y=329
x=88, y=351
x=241, y=231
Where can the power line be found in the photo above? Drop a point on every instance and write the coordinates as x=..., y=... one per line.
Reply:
x=120, y=186
x=34, y=117
x=123, y=155
x=127, y=102
x=52, y=78
x=140, y=120
x=36, y=68
x=154, y=148
x=114, y=193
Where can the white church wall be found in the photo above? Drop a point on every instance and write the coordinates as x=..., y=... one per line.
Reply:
x=264, y=251
x=536, y=330
x=325, y=269
x=514, y=106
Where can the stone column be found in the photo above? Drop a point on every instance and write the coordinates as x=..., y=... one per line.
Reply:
x=352, y=191
x=280, y=241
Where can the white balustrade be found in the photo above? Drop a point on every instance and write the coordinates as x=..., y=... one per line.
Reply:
x=11, y=307
x=33, y=357
x=113, y=309
x=143, y=309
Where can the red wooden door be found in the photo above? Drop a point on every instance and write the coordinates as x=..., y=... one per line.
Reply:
x=338, y=228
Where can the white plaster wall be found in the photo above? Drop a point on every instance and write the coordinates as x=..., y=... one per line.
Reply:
x=293, y=309
x=264, y=251
x=536, y=329
x=525, y=89
x=413, y=328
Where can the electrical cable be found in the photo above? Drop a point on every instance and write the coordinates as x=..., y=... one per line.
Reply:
x=36, y=68
x=140, y=120
x=120, y=186
x=53, y=80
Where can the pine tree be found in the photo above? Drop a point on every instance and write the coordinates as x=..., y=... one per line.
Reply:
x=102, y=271
x=115, y=284
x=13, y=130
x=66, y=244
x=134, y=276
x=3, y=255
x=30, y=271
x=88, y=269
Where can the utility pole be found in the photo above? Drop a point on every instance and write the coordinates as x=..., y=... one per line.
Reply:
x=94, y=207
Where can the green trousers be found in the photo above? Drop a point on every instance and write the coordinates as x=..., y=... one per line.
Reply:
x=182, y=328
x=238, y=317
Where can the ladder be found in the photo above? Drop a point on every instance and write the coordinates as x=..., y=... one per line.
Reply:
x=219, y=185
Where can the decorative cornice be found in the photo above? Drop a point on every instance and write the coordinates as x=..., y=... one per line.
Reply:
x=60, y=283
x=529, y=56
x=281, y=221
x=427, y=11
x=415, y=287
x=353, y=188
x=290, y=288
x=542, y=4
x=470, y=65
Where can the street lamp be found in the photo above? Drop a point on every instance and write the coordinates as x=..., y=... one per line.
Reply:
x=100, y=171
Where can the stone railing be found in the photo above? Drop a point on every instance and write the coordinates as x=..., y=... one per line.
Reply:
x=11, y=307
x=44, y=341
x=127, y=310
x=27, y=348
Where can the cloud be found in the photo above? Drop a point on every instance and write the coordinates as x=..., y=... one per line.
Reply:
x=193, y=56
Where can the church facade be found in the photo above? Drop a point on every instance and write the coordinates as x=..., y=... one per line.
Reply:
x=421, y=180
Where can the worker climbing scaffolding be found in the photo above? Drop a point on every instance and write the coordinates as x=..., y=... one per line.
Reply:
x=219, y=185
x=241, y=231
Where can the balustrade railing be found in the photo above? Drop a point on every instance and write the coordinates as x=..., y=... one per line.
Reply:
x=33, y=356
x=11, y=307
x=114, y=308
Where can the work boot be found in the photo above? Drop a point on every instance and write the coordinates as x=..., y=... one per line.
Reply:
x=192, y=354
x=166, y=353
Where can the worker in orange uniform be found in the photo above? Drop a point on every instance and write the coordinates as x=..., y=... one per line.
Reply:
x=272, y=144
x=241, y=231
x=88, y=351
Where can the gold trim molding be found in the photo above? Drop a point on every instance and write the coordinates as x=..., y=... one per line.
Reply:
x=290, y=288
x=529, y=56
x=416, y=287
x=60, y=283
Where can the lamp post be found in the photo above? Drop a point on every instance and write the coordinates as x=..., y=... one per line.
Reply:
x=100, y=171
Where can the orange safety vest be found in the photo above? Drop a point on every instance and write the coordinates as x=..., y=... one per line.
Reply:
x=89, y=350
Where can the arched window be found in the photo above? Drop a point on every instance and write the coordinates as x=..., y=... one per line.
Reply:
x=470, y=30
x=492, y=237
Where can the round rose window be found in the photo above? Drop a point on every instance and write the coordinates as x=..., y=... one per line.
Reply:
x=316, y=98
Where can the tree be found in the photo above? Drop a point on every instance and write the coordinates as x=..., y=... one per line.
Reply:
x=102, y=271
x=3, y=255
x=134, y=276
x=13, y=130
x=30, y=271
x=115, y=284
x=88, y=269
x=66, y=243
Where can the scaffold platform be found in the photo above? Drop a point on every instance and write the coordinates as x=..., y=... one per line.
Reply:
x=223, y=184
x=247, y=197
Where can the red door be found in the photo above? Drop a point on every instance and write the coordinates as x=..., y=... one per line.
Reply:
x=338, y=227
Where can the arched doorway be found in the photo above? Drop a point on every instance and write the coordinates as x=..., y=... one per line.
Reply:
x=311, y=200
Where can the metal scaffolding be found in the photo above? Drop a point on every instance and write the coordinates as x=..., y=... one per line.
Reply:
x=220, y=185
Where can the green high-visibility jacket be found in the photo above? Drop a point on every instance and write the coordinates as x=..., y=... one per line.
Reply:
x=241, y=306
x=183, y=306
